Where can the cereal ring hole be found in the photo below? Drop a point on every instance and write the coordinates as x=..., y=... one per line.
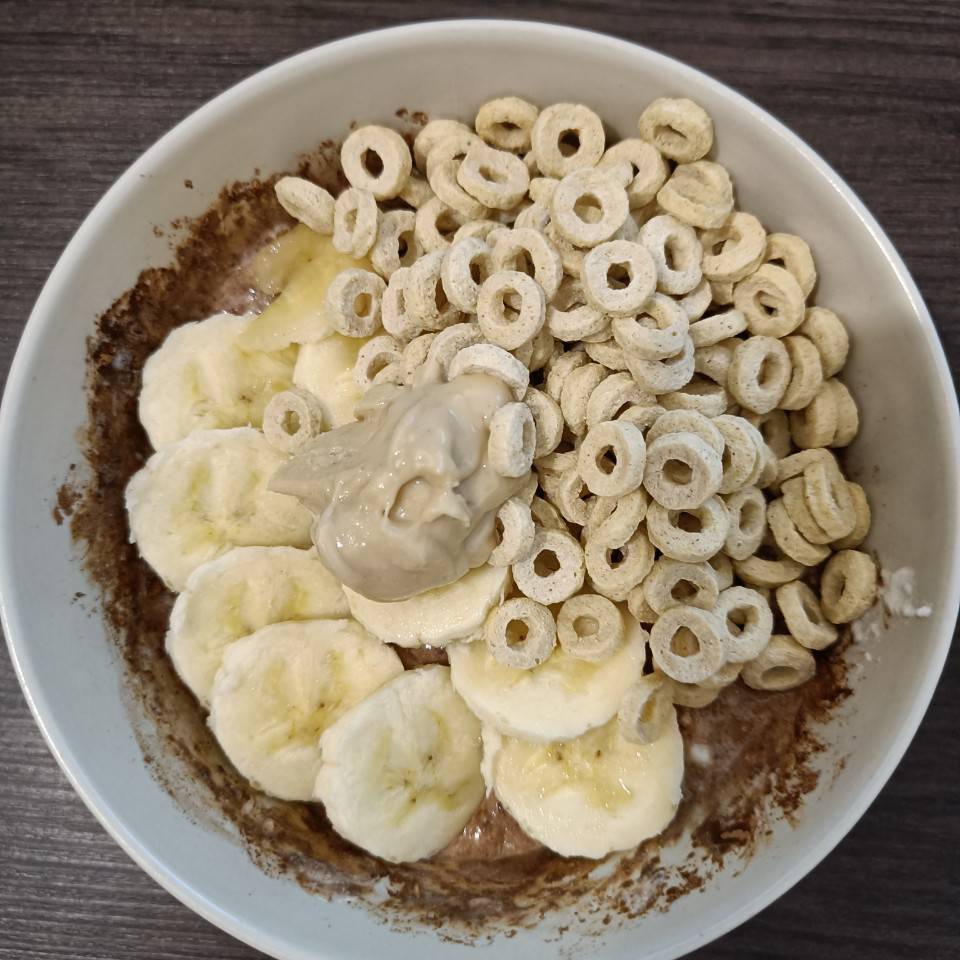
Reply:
x=684, y=643
x=607, y=460
x=363, y=304
x=372, y=162
x=568, y=143
x=586, y=626
x=739, y=618
x=516, y=633
x=689, y=522
x=546, y=563
x=676, y=471
x=588, y=208
x=684, y=590
x=619, y=275
x=751, y=518
x=291, y=423
x=777, y=677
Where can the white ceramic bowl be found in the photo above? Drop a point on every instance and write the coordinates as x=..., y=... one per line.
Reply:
x=908, y=447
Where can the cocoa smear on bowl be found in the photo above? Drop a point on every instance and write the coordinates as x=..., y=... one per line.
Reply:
x=492, y=878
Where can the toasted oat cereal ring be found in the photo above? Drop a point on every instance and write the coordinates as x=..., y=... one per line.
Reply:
x=575, y=394
x=512, y=440
x=493, y=360
x=615, y=571
x=828, y=498
x=804, y=617
x=566, y=137
x=758, y=571
x=559, y=369
x=468, y=263
x=795, y=464
x=450, y=341
x=783, y=665
x=696, y=303
x=558, y=462
x=548, y=420
x=530, y=488
x=373, y=356
x=672, y=582
x=679, y=128
x=698, y=193
x=543, y=349
x=494, y=178
x=614, y=520
x=570, y=495
x=515, y=529
x=306, y=202
x=506, y=123
x=733, y=250
x=718, y=327
x=848, y=586
x=771, y=300
x=759, y=373
x=608, y=353
x=662, y=376
x=806, y=376
x=722, y=568
x=848, y=417
x=353, y=302
x=789, y=539
x=693, y=696
x=747, y=623
x=396, y=244
x=436, y=224
x=611, y=458
x=646, y=709
x=292, y=419
x=502, y=324
x=793, y=254
x=699, y=394
x=453, y=146
x=611, y=396
x=618, y=277
x=768, y=469
x=676, y=253
x=690, y=535
x=639, y=609
x=546, y=515
x=415, y=352
x=571, y=256
x=588, y=207
x=356, y=218
x=682, y=471
x=687, y=421
x=554, y=571
x=570, y=317
x=390, y=373
x=816, y=424
x=722, y=293
x=534, y=217
x=774, y=427
x=747, y=510
x=794, y=499
x=442, y=176
x=520, y=633
x=396, y=320
x=648, y=171
x=589, y=627
x=687, y=643
x=432, y=134
x=528, y=250
x=722, y=679
x=861, y=510
x=740, y=451
x=829, y=336
x=416, y=191
x=714, y=361
x=424, y=297
x=541, y=190
x=658, y=333
x=479, y=229
x=377, y=159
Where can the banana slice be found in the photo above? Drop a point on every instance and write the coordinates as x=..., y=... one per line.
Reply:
x=559, y=700
x=326, y=370
x=276, y=261
x=237, y=594
x=400, y=773
x=437, y=617
x=593, y=795
x=200, y=379
x=299, y=314
x=199, y=497
x=280, y=688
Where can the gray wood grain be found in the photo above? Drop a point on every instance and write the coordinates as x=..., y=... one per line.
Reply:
x=86, y=87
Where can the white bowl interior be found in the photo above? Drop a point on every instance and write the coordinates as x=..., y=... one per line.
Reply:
x=907, y=454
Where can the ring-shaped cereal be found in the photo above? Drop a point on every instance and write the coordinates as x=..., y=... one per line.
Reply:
x=583, y=191
x=560, y=368
x=353, y=302
x=527, y=645
x=848, y=586
x=682, y=471
x=700, y=394
x=512, y=440
x=795, y=500
x=546, y=515
x=667, y=530
x=618, y=277
x=747, y=623
x=816, y=424
x=548, y=420
x=794, y=254
x=611, y=458
x=789, y=539
x=307, y=202
x=424, y=297
x=608, y=353
x=679, y=128
x=416, y=191
x=589, y=627
x=554, y=571
x=575, y=395
x=516, y=533
x=377, y=159
x=467, y=264
x=861, y=527
x=436, y=224
x=687, y=643
x=672, y=582
x=613, y=521
x=774, y=427
x=722, y=293
x=714, y=361
x=676, y=253
x=611, y=396
x=694, y=696
x=432, y=134
x=848, y=417
x=396, y=244
x=758, y=571
x=783, y=665
x=828, y=497
x=740, y=451
x=513, y=249
x=829, y=336
x=686, y=421
x=722, y=568
x=541, y=189
x=646, y=709
x=502, y=324
x=493, y=360
x=722, y=679
x=698, y=193
x=771, y=300
x=735, y=249
x=415, y=352
x=696, y=303
x=451, y=147
x=759, y=373
x=442, y=177
x=495, y=178
x=356, y=218
x=806, y=375
x=566, y=137
x=570, y=495
x=292, y=419
x=615, y=571
x=747, y=512
x=481, y=229
x=648, y=169
x=570, y=317
x=714, y=329
x=659, y=332
x=394, y=316
x=666, y=375
x=805, y=619
x=506, y=123
x=373, y=356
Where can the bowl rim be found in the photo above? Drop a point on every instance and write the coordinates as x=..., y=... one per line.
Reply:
x=13, y=616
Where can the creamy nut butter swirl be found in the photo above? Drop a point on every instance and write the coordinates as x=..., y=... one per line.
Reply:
x=404, y=498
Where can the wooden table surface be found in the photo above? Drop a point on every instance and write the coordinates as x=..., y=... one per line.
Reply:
x=85, y=87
